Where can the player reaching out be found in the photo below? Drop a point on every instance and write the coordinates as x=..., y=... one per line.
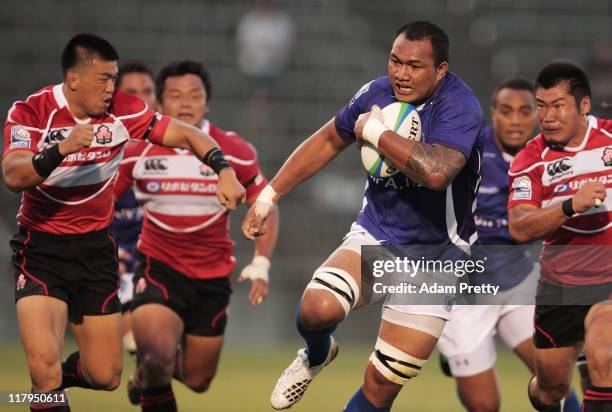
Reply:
x=62, y=147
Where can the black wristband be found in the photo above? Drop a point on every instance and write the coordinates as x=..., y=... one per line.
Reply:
x=46, y=161
x=214, y=158
x=568, y=209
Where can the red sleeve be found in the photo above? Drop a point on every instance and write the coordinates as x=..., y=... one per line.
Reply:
x=20, y=129
x=526, y=177
x=125, y=176
x=140, y=121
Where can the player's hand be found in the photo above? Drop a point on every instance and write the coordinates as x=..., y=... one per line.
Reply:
x=81, y=136
x=592, y=194
x=229, y=190
x=257, y=271
x=375, y=113
x=254, y=223
x=124, y=257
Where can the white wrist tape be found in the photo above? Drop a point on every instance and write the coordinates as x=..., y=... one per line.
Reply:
x=257, y=269
x=372, y=131
x=266, y=199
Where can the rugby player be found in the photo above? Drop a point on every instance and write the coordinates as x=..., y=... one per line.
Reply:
x=62, y=148
x=429, y=203
x=182, y=285
x=560, y=192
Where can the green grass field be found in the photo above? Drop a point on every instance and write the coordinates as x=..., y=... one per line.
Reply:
x=246, y=377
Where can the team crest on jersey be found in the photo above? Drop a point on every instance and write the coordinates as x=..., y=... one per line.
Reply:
x=522, y=188
x=141, y=285
x=20, y=138
x=103, y=135
x=21, y=281
x=607, y=156
x=361, y=91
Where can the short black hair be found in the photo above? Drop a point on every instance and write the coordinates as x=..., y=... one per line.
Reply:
x=133, y=66
x=559, y=71
x=515, y=83
x=182, y=68
x=86, y=46
x=419, y=30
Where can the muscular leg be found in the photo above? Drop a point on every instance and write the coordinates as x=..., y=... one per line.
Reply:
x=554, y=369
x=99, y=342
x=378, y=389
x=199, y=360
x=42, y=323
x=321, y=309
x=598, y=348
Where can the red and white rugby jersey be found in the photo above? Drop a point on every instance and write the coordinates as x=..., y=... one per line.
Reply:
x=185, y=226
x=77, y=197
x=542, y=176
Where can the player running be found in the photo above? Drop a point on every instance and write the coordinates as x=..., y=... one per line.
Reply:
x=430, y=203
x=560, y=192
x=185, y=255
x=134, y=78
x=468, y=341
x=62, y=148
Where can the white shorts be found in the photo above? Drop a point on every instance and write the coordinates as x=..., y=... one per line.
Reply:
x=357, y=237
x=126, y=288
x=468, y=338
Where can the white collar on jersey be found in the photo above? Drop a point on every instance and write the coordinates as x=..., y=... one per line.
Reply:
x=205, y=127
x=60, y=99
x=591, y=124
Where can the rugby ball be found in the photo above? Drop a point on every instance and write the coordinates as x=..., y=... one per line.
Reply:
x=404, y=120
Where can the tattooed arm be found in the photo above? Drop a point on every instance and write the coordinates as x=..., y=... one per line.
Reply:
x=432, y=165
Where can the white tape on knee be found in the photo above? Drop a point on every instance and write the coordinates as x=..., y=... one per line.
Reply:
x=340, y=283
x=395, y=365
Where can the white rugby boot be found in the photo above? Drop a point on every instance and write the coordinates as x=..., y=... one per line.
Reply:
x=294, y=381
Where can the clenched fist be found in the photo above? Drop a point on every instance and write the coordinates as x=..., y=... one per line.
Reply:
x=229, y=190
x=590, y=195
x=81, y=136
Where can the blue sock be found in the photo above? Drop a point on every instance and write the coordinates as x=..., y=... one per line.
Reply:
x=317, y=341
x=572, y=404
x=359, y=403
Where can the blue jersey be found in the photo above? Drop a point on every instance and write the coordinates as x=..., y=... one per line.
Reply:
x=396, y=209
x=127, y=221
x=506, y=266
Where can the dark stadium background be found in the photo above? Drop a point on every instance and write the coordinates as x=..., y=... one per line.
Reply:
x=339, y=45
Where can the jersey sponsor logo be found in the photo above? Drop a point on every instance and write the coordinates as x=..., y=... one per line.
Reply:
x=488, y=190
x=156, y=164
x=607, y=156
x=103, y=135
x=55, y=136
x=522, y=188
x=559, y=168
x=483, y=222
x=21, y=281
x=397, y=182
x=20, y=138
x=577, y=184
x=87, y=156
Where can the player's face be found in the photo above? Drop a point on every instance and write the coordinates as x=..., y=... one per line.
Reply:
x=561, y=120
x=94, y=85
x=412, y=70
x=141, y=85
x=184, y=98
x=513, y=118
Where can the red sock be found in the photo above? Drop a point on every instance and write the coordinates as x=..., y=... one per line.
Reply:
x=597, y=399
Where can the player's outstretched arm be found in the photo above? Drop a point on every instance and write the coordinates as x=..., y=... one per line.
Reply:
x=181, y=135
x=433, y=166
x=23, y=170
x=528, y=222
x=310, y=157
x=257, y=270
